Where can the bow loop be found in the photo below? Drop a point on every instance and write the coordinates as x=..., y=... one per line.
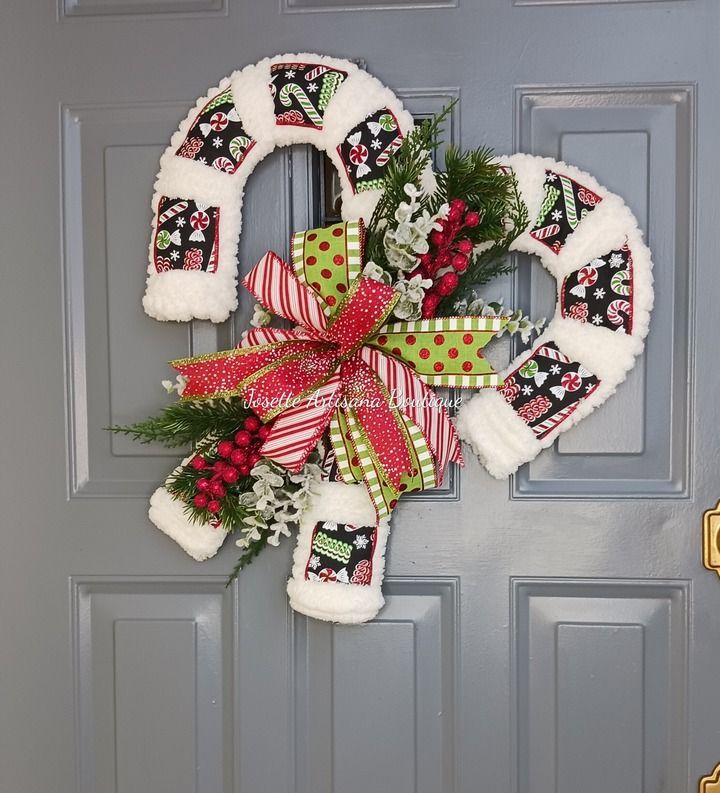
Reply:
x=328, y=260
x=227, y=373
x=278, y=289
x=361, y=313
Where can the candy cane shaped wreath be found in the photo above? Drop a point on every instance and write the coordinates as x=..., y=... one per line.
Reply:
x=583, y=234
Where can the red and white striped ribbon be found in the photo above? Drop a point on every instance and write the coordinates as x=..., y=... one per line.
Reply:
x=297, y=429
x=276, y=286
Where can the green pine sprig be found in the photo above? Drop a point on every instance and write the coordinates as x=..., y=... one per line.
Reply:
x=505, y=218
x=188, y=421
x=182, y=484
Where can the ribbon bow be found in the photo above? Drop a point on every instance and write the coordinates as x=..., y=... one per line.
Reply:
x=342, y=367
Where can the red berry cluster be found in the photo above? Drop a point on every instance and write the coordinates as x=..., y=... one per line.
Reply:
x=449, y=255
x=235, y=458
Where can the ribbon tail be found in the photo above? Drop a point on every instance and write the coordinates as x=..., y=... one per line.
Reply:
x=420, y=404
x=296, y=431
x=423, y=460
x=224, y=374
x=380, y=420
x=382, y=497
x=343, y=448
x=445, y=351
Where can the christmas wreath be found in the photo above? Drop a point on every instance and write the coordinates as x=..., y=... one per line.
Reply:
x=326, y=423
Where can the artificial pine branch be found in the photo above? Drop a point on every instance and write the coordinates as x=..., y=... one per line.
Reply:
x=184, y=422
x=473, y=176
x=182, y=485
x=505, y=219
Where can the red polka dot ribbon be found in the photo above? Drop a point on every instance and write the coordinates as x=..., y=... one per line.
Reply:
x=343, y=366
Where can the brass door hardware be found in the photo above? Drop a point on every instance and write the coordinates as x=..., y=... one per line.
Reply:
x=711, y=783
x=711, y=541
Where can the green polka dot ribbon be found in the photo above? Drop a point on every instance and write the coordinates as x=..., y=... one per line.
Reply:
x=446, y=351
x=329, y=260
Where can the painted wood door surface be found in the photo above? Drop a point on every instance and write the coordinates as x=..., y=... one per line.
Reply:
x=551, y=634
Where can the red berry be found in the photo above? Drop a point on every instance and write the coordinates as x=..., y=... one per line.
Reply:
x=264, y=431
x=198, y=462
x=460, y=262
x=458, y=203
x=437, y=238
x=202, y=485
x=252, y=423
x=214, y=507
x=217, y=489
x=238, y=457
x=442, y=260
x=465, y=246
x=455, y=214
x=243, y=438
x=424, y=259
x=230, y=475
x=225, y=448
x=430, y=303
x=447, y=284
x=200, y=501
x=254, y=459
x=472, y=219
x=218, y=466
x=244, y=470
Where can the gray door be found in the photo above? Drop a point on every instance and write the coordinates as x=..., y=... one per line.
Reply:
x=553, y=634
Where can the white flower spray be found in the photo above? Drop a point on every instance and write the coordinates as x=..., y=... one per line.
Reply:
x=277, y=499
x=178, y=385
x=403, y=244
x=474, y=305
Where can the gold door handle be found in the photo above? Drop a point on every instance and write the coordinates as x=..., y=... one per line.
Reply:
x=711, y=547
x=711, y=783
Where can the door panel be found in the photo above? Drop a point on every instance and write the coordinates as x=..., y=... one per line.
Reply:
x=549, y=634
x=638, y=141
x=601, y=672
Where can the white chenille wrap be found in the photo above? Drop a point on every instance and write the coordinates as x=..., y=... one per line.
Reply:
x=184, y=295
x=334, y=601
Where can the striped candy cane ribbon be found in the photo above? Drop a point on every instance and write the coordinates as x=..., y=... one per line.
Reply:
x=342, y=366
